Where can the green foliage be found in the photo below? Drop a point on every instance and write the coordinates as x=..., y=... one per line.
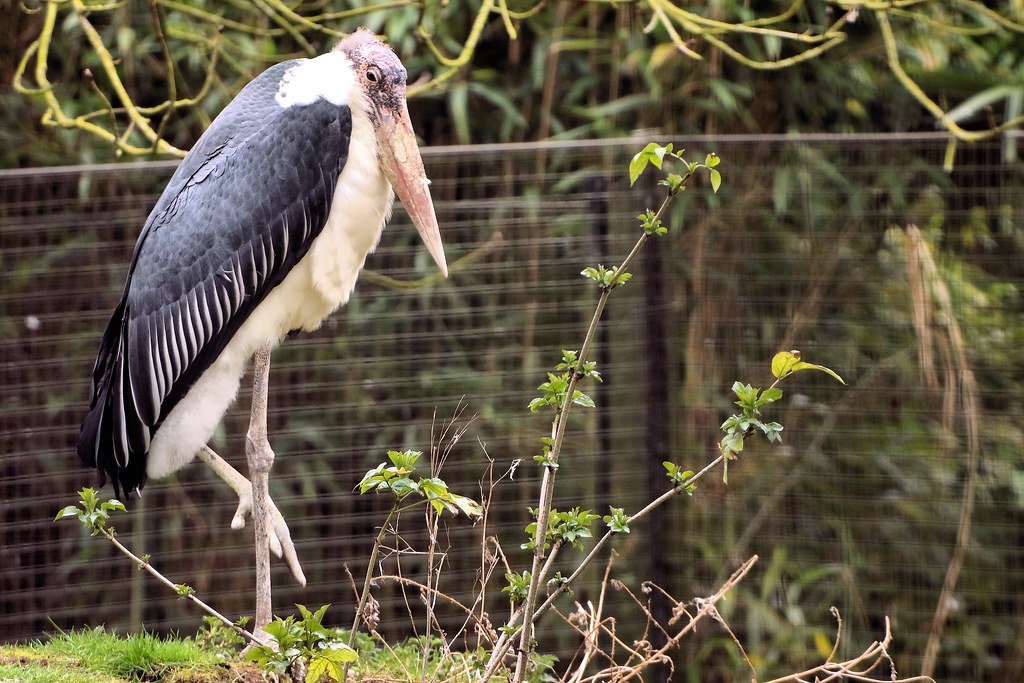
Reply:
x=570, y=361
x=785, y=363
x=543, y=669
x=656, y=155
x=518, y=585
x=95, y=516
x=396, y=480
x=324, y=650
x=607, y=278
x=617, y=520
x=751, y=401
x=184, y=590
x=650, y=221
x=220, y=639
x=622, y=78
x=554, y=392
x=679, y=477
x=739, y=426
x=552, y=528
x=653, y=153
x=569, y=526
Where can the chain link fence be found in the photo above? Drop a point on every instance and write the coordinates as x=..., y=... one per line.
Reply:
x=861, y=252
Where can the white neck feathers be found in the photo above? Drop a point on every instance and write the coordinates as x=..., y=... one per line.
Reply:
x=329, y=77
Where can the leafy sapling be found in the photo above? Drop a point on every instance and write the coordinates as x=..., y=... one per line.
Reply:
x=559, y=392
x=396, y=480
x=407, y=492
x=304, y=642
x=95, y=516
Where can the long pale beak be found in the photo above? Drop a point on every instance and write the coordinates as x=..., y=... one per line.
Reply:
x=403, y=168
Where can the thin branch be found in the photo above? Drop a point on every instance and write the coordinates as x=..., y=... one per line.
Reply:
x=468, y=48
x=110, y=69
x=144, y=564
x=911, y=86
x=707, y=608
x=364, y=594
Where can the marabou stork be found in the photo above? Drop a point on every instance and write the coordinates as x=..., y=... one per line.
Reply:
x=262, y=230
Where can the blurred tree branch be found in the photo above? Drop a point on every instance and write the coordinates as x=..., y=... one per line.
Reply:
x=245, y=36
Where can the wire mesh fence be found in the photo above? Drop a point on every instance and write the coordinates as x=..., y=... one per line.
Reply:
x=817, y=243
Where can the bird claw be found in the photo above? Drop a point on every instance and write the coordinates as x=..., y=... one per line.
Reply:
x=277, y=533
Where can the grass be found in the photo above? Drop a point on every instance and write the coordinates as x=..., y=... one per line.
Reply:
x=97, y=656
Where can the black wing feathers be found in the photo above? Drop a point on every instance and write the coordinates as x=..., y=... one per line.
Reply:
x=242, y=209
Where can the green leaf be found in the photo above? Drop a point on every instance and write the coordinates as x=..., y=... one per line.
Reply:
x=404, y=461
x=518, y=586
x=747, y=395
x=340, y=652
x=674, y=183
x=69, y=511
x=731, y=445
x=617, y=521
x=569, y=359
x=716, y=180
x=333, y=662
x=639, y=163
x=469, y=507
x=651, y=223
x=581, y=399
x=318, y=667
x=653, y=153
x=771, y=431
x=785, y=363
x=677, y=475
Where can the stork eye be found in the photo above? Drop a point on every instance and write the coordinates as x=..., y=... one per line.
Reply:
x=373, y=74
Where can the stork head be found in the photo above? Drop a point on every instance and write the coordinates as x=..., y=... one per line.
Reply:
x=382, y=77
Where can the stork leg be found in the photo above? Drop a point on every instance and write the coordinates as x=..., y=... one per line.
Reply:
x=261, y=459
x=280, y=537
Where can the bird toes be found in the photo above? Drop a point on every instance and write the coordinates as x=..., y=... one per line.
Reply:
x=244, y=508
x=282, y=537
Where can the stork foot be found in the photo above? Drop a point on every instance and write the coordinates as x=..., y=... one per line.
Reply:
x=278, y=535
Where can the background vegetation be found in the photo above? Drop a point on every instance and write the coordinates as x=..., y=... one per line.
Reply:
x=863, y=252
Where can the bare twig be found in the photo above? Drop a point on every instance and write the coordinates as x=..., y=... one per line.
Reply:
x=858, y=668
x=185, y=594
x=706, y=607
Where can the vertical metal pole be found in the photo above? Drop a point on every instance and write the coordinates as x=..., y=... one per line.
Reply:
x=656, y=421
x=604, y=467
